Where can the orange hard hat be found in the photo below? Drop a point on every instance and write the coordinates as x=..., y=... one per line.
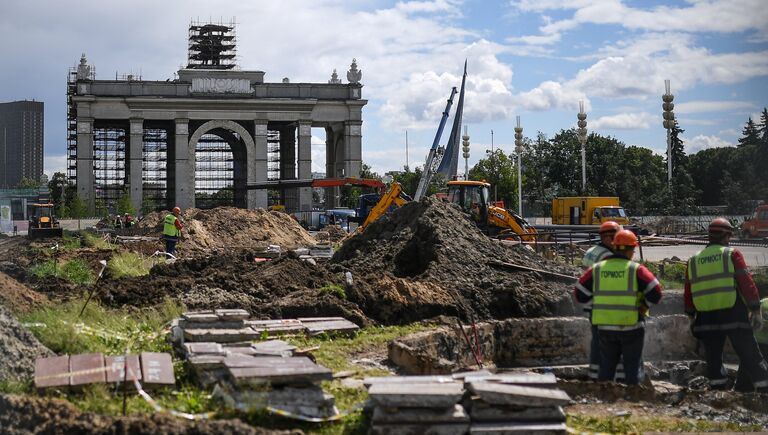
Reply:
x=608, y=227
x=625, y=238
x=176, y=210
x=720, y=225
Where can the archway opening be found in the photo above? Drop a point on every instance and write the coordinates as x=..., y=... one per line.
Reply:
x=220, y=169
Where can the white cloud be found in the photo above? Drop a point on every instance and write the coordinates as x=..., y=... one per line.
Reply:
x=552, y=95
x=702, y=142
x=623, y=121
x=712, y=106
x=54, y=163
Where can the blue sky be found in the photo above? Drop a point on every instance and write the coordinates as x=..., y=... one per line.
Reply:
x=533, y=58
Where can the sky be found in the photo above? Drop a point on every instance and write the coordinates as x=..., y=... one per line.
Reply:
x=530, y=58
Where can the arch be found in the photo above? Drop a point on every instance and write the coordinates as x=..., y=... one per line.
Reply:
x=248, y=159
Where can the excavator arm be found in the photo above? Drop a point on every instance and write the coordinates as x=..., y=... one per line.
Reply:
x=508, y=222
x=393, y=196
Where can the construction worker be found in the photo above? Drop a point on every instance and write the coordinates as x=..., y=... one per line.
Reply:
x=596, y=254
x=619, y=289
x=722, y=300
x=743, y=382
x=172, y=226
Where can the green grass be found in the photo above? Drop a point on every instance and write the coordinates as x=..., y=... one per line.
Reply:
x=93, y=240
x=100, y=329
x=129, y=263
x=334, y=289
x=637, y=424
x=75, y=271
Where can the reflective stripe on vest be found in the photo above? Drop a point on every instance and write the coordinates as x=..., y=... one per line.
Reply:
x=761, y=335
x=711, y=274
x=616, y=294
x=169, y=226
x=594, y=255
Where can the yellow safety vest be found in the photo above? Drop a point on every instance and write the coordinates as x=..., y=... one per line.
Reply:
x=711, y=274
x=169, y=226
x=616, y=296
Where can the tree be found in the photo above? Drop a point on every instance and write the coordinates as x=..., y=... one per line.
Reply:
x=350, y=195
x=28, y=183
x=763, y=127
x=498, y=169
x=750, y=135
x=57, y=185
x=77, y=209
x=124, y=204
x=410, y=181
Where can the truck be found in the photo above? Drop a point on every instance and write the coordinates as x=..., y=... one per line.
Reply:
x=757, y=224
x=587, y=210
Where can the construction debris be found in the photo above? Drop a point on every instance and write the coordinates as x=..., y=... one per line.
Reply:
x=155, y=370
x=18, y=349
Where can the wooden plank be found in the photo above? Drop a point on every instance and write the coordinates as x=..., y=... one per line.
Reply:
x=413, y=395
x=483, y=412
x=52, y=372
x=454, y=414
x=517, y=428
x=86, y=368
x=157, y=369
x=505, y=394
x=116, y=368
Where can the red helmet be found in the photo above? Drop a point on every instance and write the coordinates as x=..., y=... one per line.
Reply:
x=625, y=238
x=720, y=225
x=176, y=210
x=609, y=227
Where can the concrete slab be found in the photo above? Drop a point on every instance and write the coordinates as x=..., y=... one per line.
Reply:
x=277, y=327
x=414, y=395
x=454, y=414
x=483, y=412
x=52, y=372
x=232, y=314
x=279, y=375
x=330, y=326
x=419, y=429
x=307, y=396
x=203, y=348
x=157, y=370
x=517, y=428
x=220, y=335
x=435, y=379
x=504, y=394
x=273, y=348
x=200, y=316
x=532, y=379
x=219, y=324
x=86, y=368
x=116, y=368
x=206, y=362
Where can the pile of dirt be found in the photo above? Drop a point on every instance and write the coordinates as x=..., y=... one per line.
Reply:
x=22, y=415
x=281, y=288
x=428, y=258
x=230, y=227
x=331, y=233
x=18, y=350
x=17, y=297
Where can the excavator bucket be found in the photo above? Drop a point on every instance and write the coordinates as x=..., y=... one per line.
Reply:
x=44, y=233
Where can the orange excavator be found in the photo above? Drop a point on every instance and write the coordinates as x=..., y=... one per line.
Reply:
x=42, y=223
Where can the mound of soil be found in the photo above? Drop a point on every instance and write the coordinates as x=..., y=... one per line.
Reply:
x=18, y=350
x=282, y=288
x=331, y=233
x=230, y=227
x=22, y=415
x=428, y=258
x=17, y=297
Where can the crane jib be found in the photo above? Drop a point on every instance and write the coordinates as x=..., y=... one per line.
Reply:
x=426, y=175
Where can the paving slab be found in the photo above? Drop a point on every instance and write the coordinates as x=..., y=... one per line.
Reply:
x=241, y=361
x=464, y=375
x=454, y=414
x=279, y=375
x=517, y=428
x=52, y=372
x=307, y=396
x=221, y=335
x=273, y=348
x=86, y=368
x=432, y=379
x=533, y=379
x=206, y=362
x=200, y=316
x=116, y=368
x=232, y=314
x=419, y=429
x=413, y=395
x=506, y=394
x=277, y=327
x=157, y=370
x=203, y=348
x=483, y=412
x=219, y=324
x=336, y=325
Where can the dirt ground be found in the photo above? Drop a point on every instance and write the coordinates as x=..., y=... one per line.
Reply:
x=22, y=415
x=17, y=297
x=18, y=349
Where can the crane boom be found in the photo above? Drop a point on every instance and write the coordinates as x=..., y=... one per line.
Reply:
x=434, y=156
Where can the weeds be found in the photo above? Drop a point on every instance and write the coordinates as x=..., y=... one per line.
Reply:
x=129, y=263
x=75, y=271
x=334, y=289
x=639, y=424
x=92, y=240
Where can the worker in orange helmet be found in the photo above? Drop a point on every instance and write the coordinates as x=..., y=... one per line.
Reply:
x=596, y=254
x=172, y=226
x=619, y=288
x=723, y=302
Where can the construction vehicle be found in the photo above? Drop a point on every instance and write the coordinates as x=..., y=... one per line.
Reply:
x=757, y=225
x=372, y=206
x=587, y=210
x=43, y=223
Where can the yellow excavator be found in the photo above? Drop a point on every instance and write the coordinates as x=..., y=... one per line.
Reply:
x=42, y=223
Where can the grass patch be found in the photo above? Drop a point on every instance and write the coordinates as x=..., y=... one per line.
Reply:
x=334, y=289
x=100, y=329
x=92, y=240
x=637, y=424
x=75, y=271
x=129, y=263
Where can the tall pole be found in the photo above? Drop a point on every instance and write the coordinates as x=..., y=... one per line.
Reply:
x=493, y=169
x=519, y=150
x=407, y=165
x=669, y=124
x=582, y=132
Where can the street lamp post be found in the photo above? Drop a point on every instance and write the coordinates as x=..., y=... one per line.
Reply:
x=669, y=124
x=465, y=149
x=519, y=151
x=582, y=132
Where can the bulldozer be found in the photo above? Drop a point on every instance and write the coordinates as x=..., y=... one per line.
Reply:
x=43, y=224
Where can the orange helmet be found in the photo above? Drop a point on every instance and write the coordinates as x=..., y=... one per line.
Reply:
x=609, y=227
x=176, y=210
x=720, y=225
x=625, y=238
